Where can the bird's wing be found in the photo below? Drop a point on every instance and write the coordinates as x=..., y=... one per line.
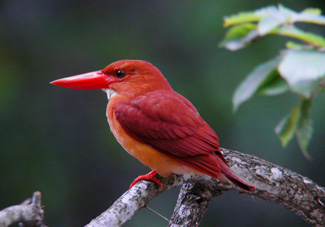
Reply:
x=168, y=122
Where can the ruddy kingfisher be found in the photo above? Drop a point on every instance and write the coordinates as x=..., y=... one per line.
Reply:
x=155, y=124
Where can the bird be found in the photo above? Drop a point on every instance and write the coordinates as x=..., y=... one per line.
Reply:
x=155, y=124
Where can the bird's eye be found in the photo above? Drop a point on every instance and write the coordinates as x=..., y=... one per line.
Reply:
x=120, y=73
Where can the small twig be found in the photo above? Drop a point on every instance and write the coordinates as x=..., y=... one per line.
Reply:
x=28, y=213
x=157, y=213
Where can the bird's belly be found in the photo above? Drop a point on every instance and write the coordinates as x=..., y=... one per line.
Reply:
x=147, y=155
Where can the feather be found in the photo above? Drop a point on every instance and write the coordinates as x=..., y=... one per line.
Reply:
x=168, y=122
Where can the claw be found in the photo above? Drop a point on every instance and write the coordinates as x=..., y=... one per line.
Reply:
x=149, y=176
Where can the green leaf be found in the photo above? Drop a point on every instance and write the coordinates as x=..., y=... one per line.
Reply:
x=275, y=86
x=309, y=16
x=239, y=36
x=239, y=31
x=298, y=46
x=256, y=80
x=305, y=127
x=267, y=11
x=284, y=14
x=302, y=35
x=303, y=70
x=241, y=18
x=267, y=24
x=248, y=17
x=274, y=19
x=287, y=126
x=315, y=11
x=297, y=122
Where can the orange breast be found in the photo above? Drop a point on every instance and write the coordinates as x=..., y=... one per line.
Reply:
x=147, y=155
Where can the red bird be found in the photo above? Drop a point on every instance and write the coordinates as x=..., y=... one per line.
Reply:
x=154, y=123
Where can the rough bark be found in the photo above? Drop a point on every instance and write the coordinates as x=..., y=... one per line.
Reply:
x=274, y=183
x=193, y=200
x=29, y=213
x=131, y=201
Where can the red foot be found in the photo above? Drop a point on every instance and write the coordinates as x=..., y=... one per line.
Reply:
x=149, y=176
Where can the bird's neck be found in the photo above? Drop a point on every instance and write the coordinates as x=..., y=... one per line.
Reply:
x=110, y=93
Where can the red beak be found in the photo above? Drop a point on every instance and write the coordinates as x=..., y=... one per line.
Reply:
x=87, y=81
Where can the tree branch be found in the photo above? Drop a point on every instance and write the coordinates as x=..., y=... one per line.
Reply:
x=29, y=213
x=192, y=202
x=274, y=183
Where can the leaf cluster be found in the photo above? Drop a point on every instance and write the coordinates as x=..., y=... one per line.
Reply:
x=299, y=68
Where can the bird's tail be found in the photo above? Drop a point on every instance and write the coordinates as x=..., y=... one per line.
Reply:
x=216, y=166
x=230, y=175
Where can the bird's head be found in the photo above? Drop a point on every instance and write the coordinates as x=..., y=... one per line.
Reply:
x=128, y=77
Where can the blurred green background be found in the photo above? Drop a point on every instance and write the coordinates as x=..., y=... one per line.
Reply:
x=58, y=141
